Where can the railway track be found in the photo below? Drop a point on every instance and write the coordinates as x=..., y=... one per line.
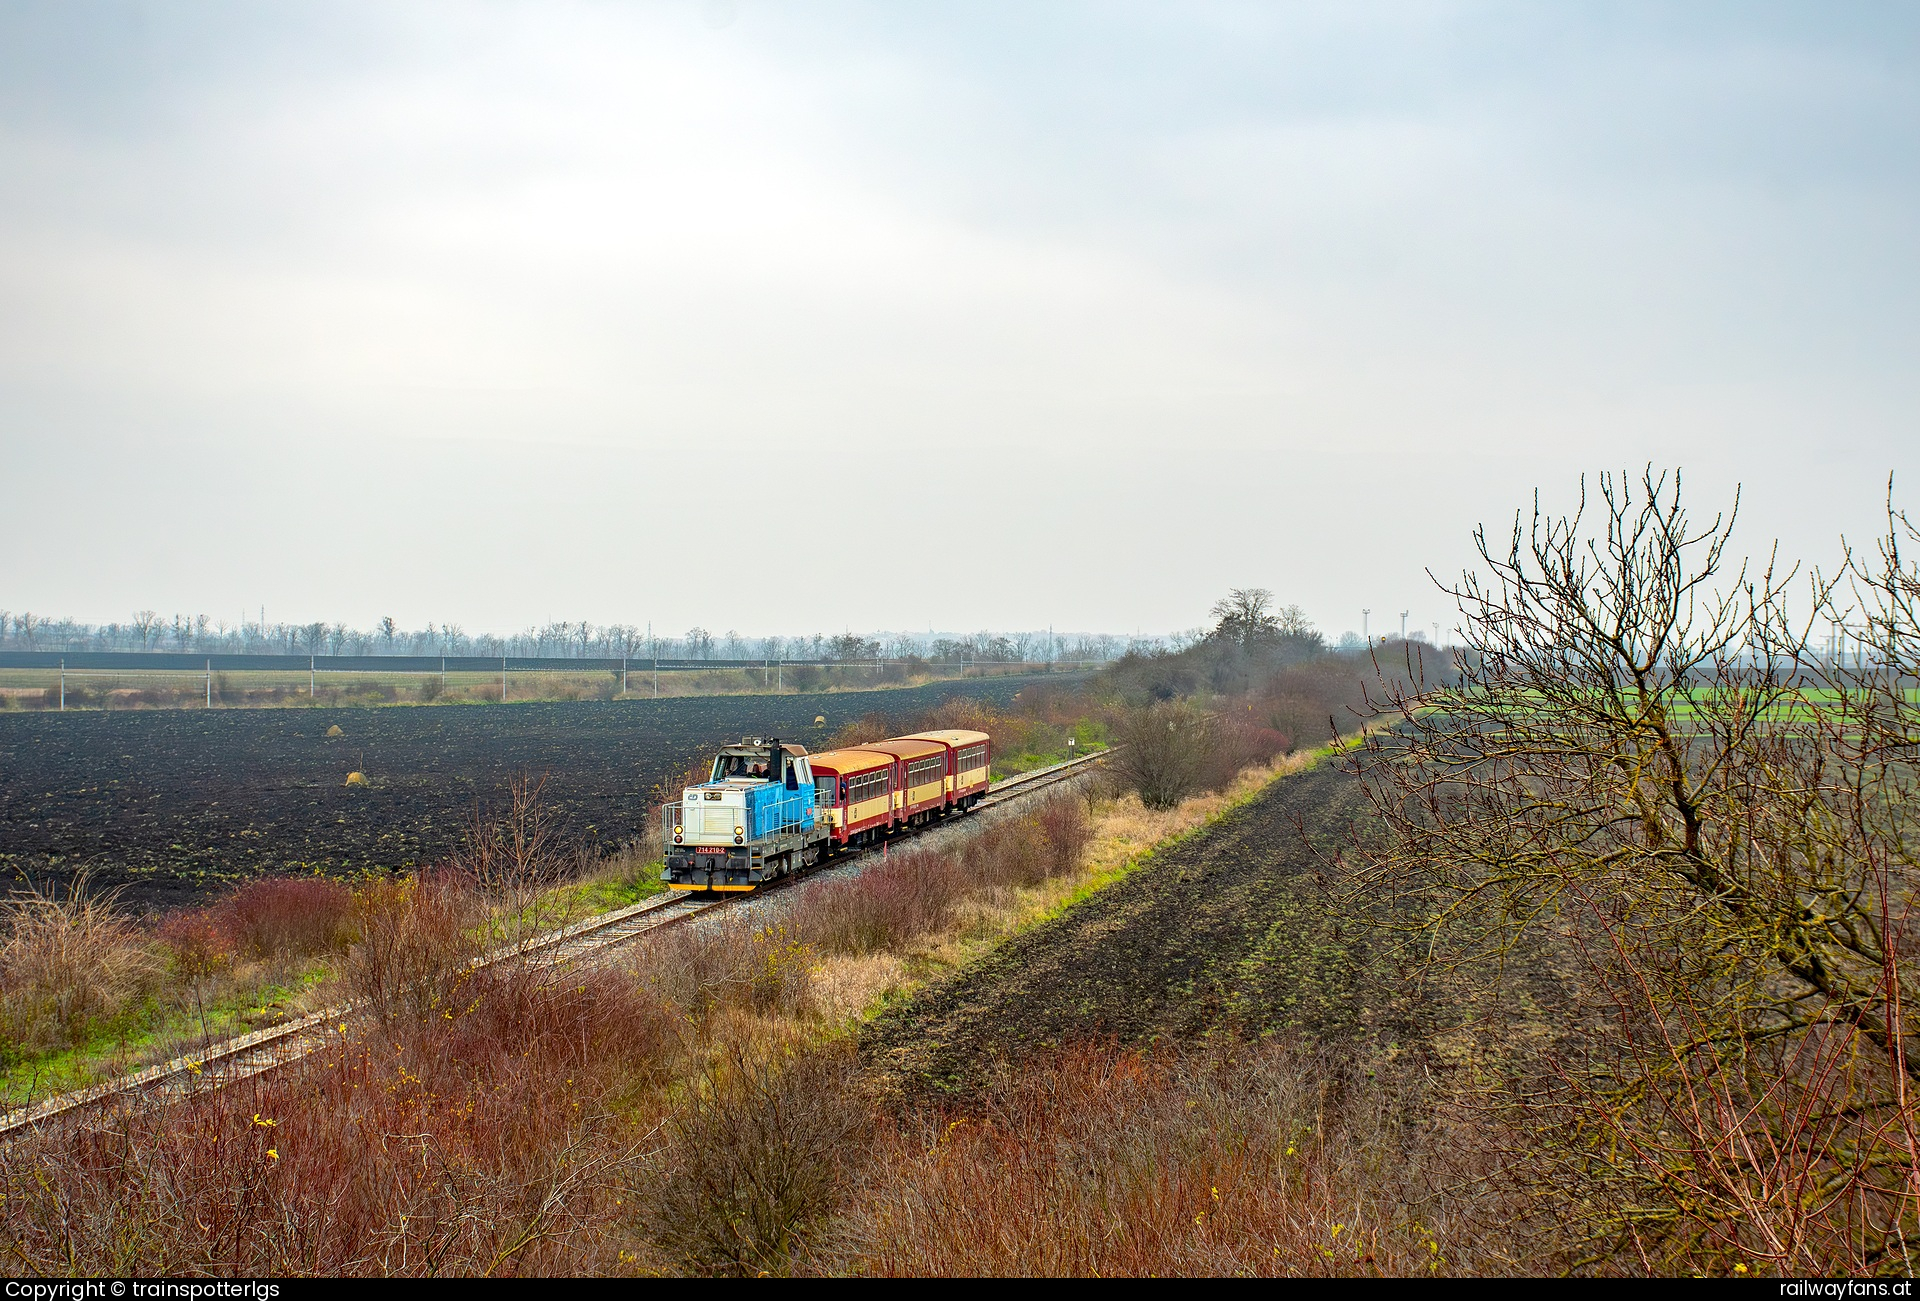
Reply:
x=253, y=1054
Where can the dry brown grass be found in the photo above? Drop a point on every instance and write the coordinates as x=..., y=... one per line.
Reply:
x=1121, y=830
x=844, y=987
x=67, y=965
x=1229, y=1160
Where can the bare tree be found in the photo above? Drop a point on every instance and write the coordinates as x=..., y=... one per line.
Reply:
x=1641, y=768
x=388, y=631
x=514, y=853
x=1293, y=622
x=146, y=626
x=1245, y=617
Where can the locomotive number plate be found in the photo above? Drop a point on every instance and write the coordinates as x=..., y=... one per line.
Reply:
x=717, y=849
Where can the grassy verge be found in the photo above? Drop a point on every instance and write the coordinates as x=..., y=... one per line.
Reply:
x=1046, y=744
x=165, y=1023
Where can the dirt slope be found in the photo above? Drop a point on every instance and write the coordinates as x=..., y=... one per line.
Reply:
x=1234, y=929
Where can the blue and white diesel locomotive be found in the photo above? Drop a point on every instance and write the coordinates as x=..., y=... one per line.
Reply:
x=769, y=809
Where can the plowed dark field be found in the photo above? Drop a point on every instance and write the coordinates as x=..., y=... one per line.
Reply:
x=172, y=804
x=1240, y=930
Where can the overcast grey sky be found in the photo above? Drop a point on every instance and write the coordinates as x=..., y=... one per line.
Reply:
x=497, y=313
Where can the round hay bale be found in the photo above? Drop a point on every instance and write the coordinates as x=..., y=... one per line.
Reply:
x=820, y=718
x=356, y=779
x=335, y=730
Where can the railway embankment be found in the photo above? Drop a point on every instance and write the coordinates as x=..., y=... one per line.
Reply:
x=692, y=1016
x=251, y=1009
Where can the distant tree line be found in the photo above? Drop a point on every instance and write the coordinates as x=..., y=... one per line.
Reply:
x=148, y=630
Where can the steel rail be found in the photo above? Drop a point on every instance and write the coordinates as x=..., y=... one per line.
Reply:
x=260, y=1051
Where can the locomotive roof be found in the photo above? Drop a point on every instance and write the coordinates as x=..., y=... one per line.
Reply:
x=908, y=747
x=852, y=759
x=753, y=745
x=953, y=736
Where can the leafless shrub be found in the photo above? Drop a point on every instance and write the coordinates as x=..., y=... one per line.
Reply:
x=1096, y=785
x=1162, y=751
x=1007, y=854
x=600, y=1018
x=67, y=964
x=287, y=917
x=418, y=938
x=513, y=854
x=1237, y=745
x=1060, y=821
x=198, y=953
x=911, y=894
x=509, y=850
x=1048, y=839
x=754, y=1159
x=889, y=903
